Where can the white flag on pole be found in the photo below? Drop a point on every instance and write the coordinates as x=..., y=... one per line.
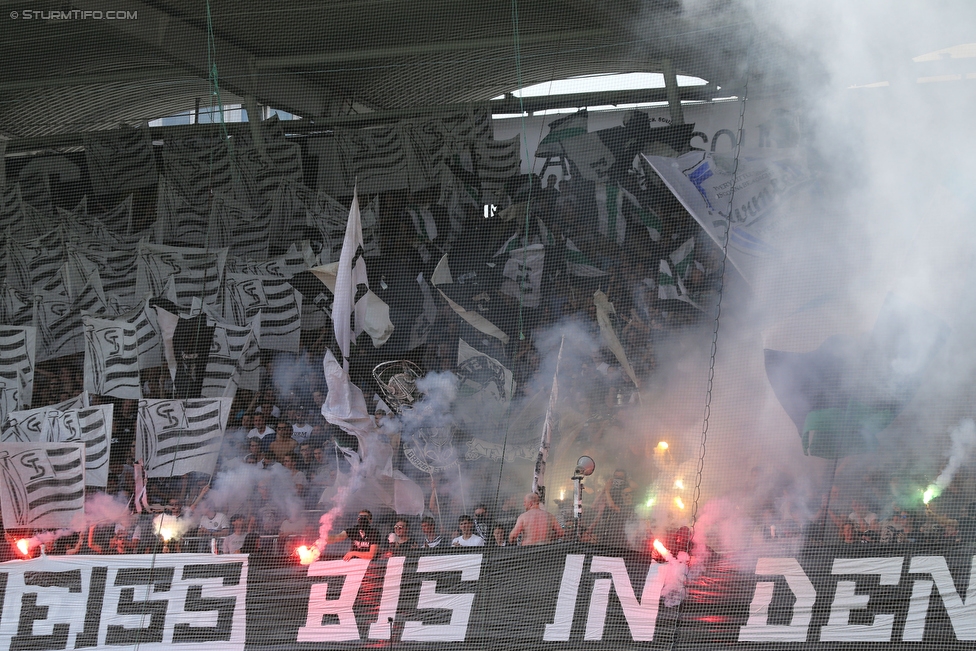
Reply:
x=175, y=437
x=90, y=425
x=42, y=485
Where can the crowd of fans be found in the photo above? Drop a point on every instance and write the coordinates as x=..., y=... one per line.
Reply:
x=279, y=429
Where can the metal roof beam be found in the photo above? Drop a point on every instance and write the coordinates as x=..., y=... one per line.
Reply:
x=186, y=45
x=339, y=56
x=324, y=124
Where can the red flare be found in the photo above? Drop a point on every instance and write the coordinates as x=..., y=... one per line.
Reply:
x=307, y=555
x=661, y=549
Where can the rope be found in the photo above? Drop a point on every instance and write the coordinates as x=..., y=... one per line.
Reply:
x=525, y=145
x=718, y=315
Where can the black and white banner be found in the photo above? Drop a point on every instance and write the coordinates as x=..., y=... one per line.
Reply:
x=111, y=358
x=17, y=364
x=124, y=602
x=195, y=273
x=41, y=484
x=62, y=424
x=234, y=360
x=275, y=301
x=175, y=437
x=555, y=597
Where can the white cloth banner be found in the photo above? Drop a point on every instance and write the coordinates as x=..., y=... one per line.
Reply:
x=17, y=364
x=350, y=273
x=111, y=358
x=769, y=189
x=275, y=299
x=198, y=601
x=42, y=485
x=90, y=425
x=175, y=437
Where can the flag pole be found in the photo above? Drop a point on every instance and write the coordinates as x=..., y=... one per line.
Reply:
x=539, y=477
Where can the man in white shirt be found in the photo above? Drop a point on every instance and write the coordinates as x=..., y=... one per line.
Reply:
x=261, y=431
x=232, y=543
x=213, y=523
x=467, y=538
x=300, y=429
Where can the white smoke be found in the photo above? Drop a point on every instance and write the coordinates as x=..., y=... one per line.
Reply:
x=963, y=438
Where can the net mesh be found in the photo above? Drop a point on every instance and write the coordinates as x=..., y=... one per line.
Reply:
x=658, y=306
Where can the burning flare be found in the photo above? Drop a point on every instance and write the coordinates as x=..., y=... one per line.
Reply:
x=661, y=549
x=663, y=445
x=930, y=493
x=166, y=533
x=307, y=555
x=679, y=503
x=23, y=546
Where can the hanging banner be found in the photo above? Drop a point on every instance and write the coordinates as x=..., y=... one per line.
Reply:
x=890, y=597
x=153, y=603
x=760, y=197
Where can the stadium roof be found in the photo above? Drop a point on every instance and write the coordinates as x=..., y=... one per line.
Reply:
x=75, y=67
x=67, y=71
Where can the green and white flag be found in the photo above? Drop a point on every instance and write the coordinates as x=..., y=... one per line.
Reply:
x=614, y=204
x=649, y=218
x=671, y=277
x=609, y=206
x=523, y=274
x=578, y=264
x=562, y=129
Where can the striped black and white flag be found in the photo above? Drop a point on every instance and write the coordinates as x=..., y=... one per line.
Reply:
x=42, y=485
x=16, y=307
x=80, y=401
x=263, y=168
x=142, y=317
x=321, y=213
x=234, y=360
x=120, y=160
x=196, y=166
x=278, y=302
x=376, y=157
x=104, y=229
x=238, y=227
x=20, y=219
x=9, y=399
x=472, y=122
x=57, y=318
x=178, y=223
x=89, y=425
x=196, y=273
x=71, y=278
x=175, y=437
x=111, y=358
x=59, y=327
x=17, y=363
x=34, y=263
x=296, y=259
x=496, y=161
x=117, y=269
